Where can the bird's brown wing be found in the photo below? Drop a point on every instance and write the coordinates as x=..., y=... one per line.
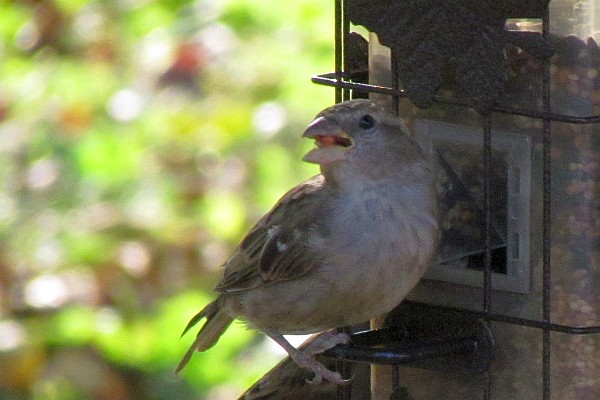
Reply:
x=276, y=248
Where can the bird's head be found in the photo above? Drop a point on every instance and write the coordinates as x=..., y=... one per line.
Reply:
x=360, y=138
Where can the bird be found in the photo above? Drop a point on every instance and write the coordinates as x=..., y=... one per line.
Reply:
x=287, y=381
x=336, y=250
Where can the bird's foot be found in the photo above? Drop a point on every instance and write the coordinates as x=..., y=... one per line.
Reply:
x=305, y=358
x=306, y=361
x=326, y=341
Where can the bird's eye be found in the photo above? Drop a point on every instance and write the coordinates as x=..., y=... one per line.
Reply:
x=366, y=121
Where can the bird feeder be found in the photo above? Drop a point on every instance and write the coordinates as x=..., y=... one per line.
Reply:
x=505, y=99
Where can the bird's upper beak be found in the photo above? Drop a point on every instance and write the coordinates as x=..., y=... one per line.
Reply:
x=332, y=142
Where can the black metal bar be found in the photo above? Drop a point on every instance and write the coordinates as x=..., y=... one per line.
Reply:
x=470, y=353
x=546, y=221
x=345, y=32
x=338, y=50
x=396, y=376
x=335, y=80
x=487, y=390
x=396, y=108
x=573, y=330
x=395, y=82
x=547, y=326
x=487, y=248
x=344, y=392
x=406, y=354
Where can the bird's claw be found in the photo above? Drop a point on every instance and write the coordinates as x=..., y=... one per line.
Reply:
x=328, y=375
x=306, y=361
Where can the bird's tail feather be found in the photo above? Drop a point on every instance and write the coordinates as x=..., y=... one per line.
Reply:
x=216, y=323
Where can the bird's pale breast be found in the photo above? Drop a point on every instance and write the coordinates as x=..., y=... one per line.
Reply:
x=386, y=240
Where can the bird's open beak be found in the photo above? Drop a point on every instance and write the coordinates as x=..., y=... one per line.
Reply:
x=332, y=142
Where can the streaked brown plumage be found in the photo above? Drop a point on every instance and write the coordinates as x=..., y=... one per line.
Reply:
x=338, y=249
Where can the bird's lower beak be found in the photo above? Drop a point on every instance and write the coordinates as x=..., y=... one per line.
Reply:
x=332, y=142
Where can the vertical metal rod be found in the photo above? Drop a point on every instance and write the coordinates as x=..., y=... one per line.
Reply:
x=395, y=83
x=487, y=172
x=396, y=109
x=546, y=220
x=338, y=43
x=487, y=246
x=344, y=392
x=396, y=376
x=345, y=37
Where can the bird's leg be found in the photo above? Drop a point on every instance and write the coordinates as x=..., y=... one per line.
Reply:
x=304, y=359
x=325, y=341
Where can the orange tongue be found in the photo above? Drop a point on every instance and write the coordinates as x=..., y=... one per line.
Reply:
x=325, y=140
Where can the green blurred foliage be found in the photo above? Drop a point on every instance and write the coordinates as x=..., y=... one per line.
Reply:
x=139, y=140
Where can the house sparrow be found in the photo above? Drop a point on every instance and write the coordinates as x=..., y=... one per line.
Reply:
x=338, y=249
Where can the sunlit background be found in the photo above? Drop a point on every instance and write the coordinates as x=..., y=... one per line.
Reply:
x=139, y=140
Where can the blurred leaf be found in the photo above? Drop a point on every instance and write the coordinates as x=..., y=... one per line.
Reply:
x=76, y=81
x=246, y=18
x=223, y=214
x=143, y=20
x=92, y=248
x=13, y=18
x=57, y=389
x=273, y=165
x=71, y=6
x=107, y=158
x=75, y=325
